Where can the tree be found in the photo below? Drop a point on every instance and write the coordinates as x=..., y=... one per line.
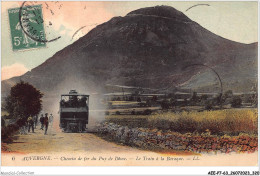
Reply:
x=185, y=103
x=228, y=94
x=154, y=99
x=165, y=104
x=194, y=98
x=204, y=100
x=219, y=100
x=131, y=98
x=147, y=112
x=208, y=105
x=236, y=102
x=173, y=102
x=24, y=100
x=171, y=95
x=204, y=97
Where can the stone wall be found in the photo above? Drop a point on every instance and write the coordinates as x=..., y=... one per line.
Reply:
x=157, y=139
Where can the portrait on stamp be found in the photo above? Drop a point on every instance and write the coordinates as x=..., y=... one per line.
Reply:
x=26, y=27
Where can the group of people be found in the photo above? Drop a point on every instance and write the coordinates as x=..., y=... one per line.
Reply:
x=32, y=123
x=74, y=101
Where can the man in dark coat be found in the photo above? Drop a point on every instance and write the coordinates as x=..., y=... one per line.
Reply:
x=30, y=123
x=42, y=121
x=22, y=123
x=46, y=123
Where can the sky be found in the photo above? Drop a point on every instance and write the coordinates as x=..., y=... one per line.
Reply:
x=237, y=21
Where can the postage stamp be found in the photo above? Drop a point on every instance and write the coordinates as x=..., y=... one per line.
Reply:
x=27, y=28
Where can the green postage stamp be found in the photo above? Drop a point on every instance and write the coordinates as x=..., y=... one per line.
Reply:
x=27, y=28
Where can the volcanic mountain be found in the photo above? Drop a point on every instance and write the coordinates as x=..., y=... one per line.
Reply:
x=150, y=47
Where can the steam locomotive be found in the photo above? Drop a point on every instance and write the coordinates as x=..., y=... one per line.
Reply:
x=74, y=112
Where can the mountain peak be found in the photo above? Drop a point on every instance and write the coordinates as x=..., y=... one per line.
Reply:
x=160, y=11
x=146, y=48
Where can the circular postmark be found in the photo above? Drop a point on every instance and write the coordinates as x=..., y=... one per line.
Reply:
x=31, y=22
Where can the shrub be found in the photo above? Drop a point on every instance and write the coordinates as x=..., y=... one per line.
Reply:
x=7, y=132
x=236, y=102
x=165, y=104
x=147, y=112
x=208, y=105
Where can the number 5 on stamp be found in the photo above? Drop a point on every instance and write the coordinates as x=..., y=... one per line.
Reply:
x=27, y=30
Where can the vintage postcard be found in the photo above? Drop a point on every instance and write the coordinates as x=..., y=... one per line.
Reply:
x=129, y=83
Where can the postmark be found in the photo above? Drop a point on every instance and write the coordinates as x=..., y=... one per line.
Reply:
x=31, y=30
x=26, y=25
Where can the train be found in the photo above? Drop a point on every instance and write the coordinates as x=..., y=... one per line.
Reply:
x=74, y=112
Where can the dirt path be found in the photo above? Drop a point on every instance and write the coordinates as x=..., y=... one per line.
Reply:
x=57, y=142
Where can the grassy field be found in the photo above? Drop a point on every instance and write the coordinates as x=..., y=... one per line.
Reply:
x=220, y=122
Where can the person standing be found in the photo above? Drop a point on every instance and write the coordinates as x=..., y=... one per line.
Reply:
x=46, y=123
x=50, y=122
x=51, y=118
x=42, y=121
x=35, y=120
x=21, y=122
x=30, y=123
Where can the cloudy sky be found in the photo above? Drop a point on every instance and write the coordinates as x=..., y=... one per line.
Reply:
x=236, y=21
